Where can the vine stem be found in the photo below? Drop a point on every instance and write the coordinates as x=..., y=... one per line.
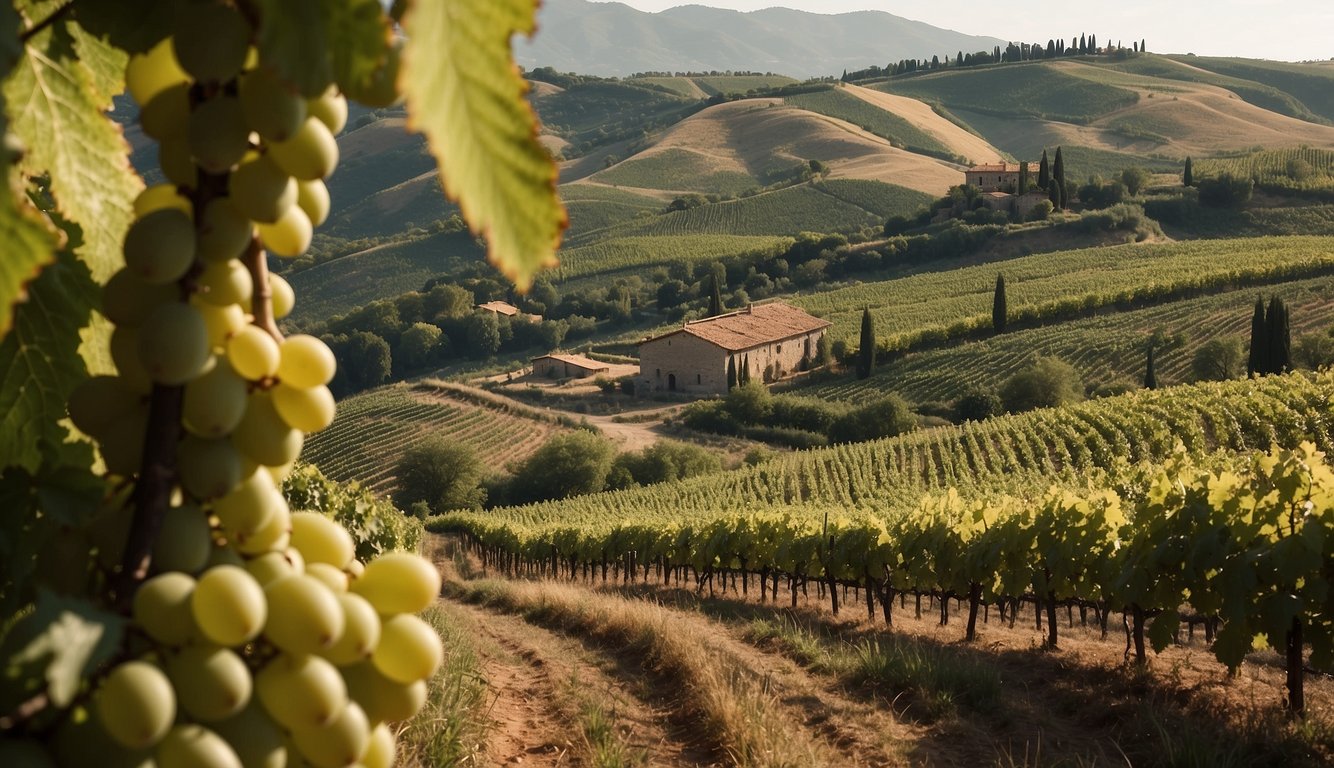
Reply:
x=261, y=298
x=54, y=16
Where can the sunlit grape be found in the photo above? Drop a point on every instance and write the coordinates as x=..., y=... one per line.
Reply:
x=225, y=282
x=136, y=704
x=311, y=153
x=250, y=504
x=333, y=578
x=331, y=108
x=305, y=361
x=408, y=650
x=161, y=196
x=168, y=114
x=228, y=605
x=211, y=683
x=380, y=752
x=308, y=410
x=361, y=631
x=304, y=616
x=184, y=542
x=162, y=608
x=272, y=108
x=255, y=738
x=264, y=436
x=289, y=236
x=301, y=691
x=194, y=746
x=147, y=74
x=273, y=536
x=313, y=197
x=338, y=743
x=399, y=582
x=321, y=540
x=220, y=322
x=284, y=298
x=384, y=700
x=260, y=190
x=270, y=566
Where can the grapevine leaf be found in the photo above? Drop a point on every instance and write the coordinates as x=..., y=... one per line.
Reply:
x=133, y=26
x=464, y=92
x=1164, y=628
x=314, y=42
x=61, y=641
x=57, y=102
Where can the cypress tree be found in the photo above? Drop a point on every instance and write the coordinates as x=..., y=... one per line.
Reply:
x=1044, y=171
x=999, y=310
x=731, y=374
x=1278, y=345
x=715, y=297
x=1056, y=194
x=1256, y=359
x=1023, y=177
x=1083, y=45
x=744, y=373
x=866, y=353
x=1058, y=173
x=1150, y=378
x=1142, y=49
x=1188, y=176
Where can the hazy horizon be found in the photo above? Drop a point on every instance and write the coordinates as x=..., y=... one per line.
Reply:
x=1297, y=30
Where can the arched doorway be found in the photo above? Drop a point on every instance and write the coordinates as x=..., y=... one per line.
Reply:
x=671, y=382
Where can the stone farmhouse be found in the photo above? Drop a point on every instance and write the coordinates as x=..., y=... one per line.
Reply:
x=558, y=365
x=772, y=339
x=997, y=177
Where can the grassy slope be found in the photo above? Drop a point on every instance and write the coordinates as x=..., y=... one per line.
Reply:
x=1033, y=89
x=1313, y=85
x=902, y=133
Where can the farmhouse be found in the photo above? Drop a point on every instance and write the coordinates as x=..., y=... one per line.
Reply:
x=769, y=340
x=505, y=309
x=562, y=366
x=997, y=177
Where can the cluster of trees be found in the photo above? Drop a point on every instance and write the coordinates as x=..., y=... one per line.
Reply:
x=751, y=410
x=438, y=474
x=1084, y=45
x=1271, y=339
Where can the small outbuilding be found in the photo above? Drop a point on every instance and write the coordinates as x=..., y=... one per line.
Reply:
x=563, y=366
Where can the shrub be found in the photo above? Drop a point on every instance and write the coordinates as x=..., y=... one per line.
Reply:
x=1226, y=191
x=786, y=436
x=1218, y=359
x=749, y=403
x=442, y=473
x=566, y=465
x=976, y=405
x=662, y=462
x=1049, y=382
x=885, y=417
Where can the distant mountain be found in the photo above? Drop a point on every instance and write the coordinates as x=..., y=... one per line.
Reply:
x=614, y=39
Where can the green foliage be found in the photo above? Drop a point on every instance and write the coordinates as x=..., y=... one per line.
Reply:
x=1048, y=383
x=866, y=347
x=1288, y=171
x=977, y=404
x=376, y=525
x=639, y=254
x=677, y=169
x=884, y=417
x=1313, y=351
x=1036, y=90
x=420, y=346
x=483, y=334
x=1225, y=191
x=443, y=473
x=1134, y=179
x=837, y=102
x=567, y=465
x=663, y=462
x=366, y=361
x=1218, y=359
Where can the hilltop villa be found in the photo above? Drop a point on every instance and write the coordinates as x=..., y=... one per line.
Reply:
x=997, y=177
x=772, y=339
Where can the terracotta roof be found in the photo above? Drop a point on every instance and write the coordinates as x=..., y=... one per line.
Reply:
x=576, y=360
x=500, y=307
x=1002, y=168
x=751, y=327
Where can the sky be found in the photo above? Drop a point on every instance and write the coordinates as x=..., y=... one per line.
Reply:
x=1285, y=30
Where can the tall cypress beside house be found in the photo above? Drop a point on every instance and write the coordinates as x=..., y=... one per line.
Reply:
x=999, y=310
x=1278, y=345
x=866, y=352
x=731, y=374
x=1023, y=178
x=1255, y=361
x=1044, y=171
x=1150, y=377
x=1058, y=174
x=715, y=297
x=1188, y=175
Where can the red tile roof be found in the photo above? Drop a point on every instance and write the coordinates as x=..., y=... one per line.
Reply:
x=500, y=307
x=576, y=360
x=751, y=327
x=1002, y=168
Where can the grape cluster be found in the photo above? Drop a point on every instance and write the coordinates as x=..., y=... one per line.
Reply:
x=260, y=640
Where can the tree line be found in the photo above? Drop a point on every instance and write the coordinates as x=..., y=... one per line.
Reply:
x=1084, y=45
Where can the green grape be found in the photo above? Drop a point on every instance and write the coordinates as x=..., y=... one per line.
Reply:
x=148, y=74
x=311, y=153
x=209, y=468
x=173, y=344
x=98, y=401
x=122, y=444
x=124, y=349
x=162, y=608
x=270, y=566
x=161, y=196
x=228, y=605
x=354, y=570
x=136, y=704
x=384, y=700
x=321, y=540
x=380, y=751
x=284, y=298
x=250, y=504
x=305, y=362
x=194, y=746
x=329, y=576
x=409, y=650
x=224, y=233
x=221, y=322
x=338, y=743
x=272, y=108
x=331, y=108
x=260, y=190
x=253, y=353
x=173, y=157
x=224, y=554
x=304, y=616
x=219, y=136
x=289, y=236
x=313, y=197
x=381, y=88
x=308, y=410
x=215, y=402
x=301, y=691
x=399, y=582
x=211, y=683
x=264, y=436
x=361, y=631
x=128, y=300
x=274, y=536
x=168, y=114
x=160, y=247
x=226, y=283
x=255, y=738
x=281, y=472
x=184, y=542
x=210, y=41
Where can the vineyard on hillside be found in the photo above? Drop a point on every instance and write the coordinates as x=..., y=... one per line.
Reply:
x=788, y=211
x=628, y=255
x=1293, y=170
x=941, y=305
x=1105, y=349
x=1029, y=89
x=887, y=125
x=374, y=428
x=678, y=170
